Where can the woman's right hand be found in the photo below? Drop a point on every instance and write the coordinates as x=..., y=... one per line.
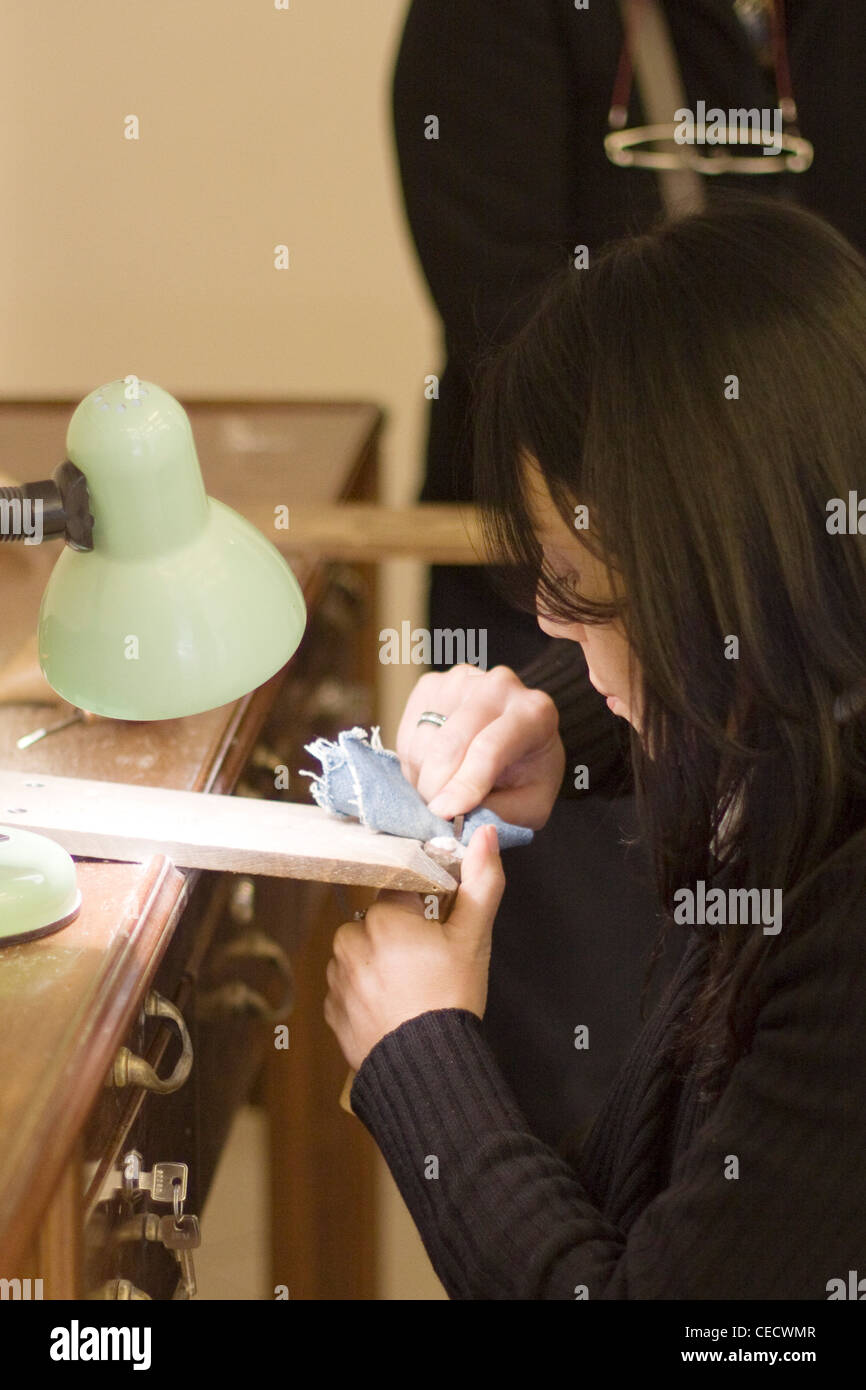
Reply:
x=500, y=745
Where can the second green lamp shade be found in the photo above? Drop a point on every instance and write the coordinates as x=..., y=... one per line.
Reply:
x=182, y=605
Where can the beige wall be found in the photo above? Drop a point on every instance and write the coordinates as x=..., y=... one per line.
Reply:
x=155, y=256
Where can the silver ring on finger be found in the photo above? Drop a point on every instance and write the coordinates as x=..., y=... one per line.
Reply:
x=430, y=716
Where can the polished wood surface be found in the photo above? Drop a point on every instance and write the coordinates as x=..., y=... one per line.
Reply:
x=444, y=533
x=66, y=1001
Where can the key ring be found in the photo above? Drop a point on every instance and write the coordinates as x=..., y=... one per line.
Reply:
x=177, y=1202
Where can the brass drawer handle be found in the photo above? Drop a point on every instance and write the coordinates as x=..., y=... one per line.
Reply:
x=131, y=1070
x=236, y=996
x=119, y=1288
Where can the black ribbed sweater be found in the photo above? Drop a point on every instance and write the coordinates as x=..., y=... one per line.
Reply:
x=651, y=1208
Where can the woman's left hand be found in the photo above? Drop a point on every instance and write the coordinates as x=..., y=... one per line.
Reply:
x=396, y=963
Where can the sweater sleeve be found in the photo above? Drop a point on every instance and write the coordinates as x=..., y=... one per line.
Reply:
x=501, y=1216
x=766, y=1200
x=593, y=737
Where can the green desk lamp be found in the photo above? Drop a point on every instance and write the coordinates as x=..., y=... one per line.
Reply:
x=163, y=602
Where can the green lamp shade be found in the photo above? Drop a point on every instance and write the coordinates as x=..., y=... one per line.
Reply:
x=38, y=888
x=181, y=605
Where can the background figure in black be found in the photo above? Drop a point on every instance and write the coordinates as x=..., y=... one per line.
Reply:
x=517, y=179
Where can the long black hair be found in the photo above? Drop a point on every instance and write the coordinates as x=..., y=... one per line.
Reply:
x=701, y=388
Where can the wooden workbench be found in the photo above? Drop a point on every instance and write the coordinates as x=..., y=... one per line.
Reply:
x=70, y=1000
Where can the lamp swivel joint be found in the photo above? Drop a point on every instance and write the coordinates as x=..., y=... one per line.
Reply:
x=58, y=506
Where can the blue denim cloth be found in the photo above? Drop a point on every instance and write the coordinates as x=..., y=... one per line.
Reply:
x=361, y=780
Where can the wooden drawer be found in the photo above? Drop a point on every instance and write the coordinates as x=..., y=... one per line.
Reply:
x=227, y=969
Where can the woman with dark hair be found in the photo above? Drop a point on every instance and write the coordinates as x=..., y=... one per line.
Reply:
x=670, y=454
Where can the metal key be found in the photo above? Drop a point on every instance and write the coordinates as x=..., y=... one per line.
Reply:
x=130, y=1180
x=182, y=1237
x=160, y=1182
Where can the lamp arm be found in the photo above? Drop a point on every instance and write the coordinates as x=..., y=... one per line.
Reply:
x=61, y=504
